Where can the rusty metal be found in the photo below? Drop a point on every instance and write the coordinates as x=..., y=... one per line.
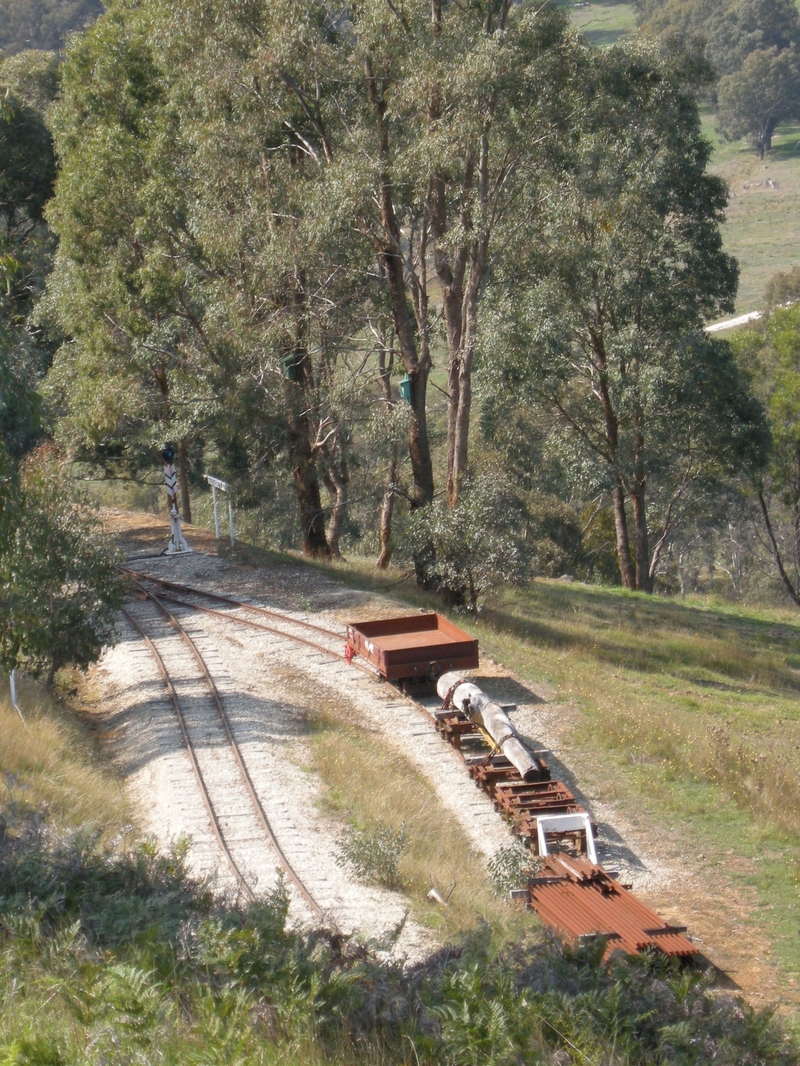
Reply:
x=582, y=901
x=413, y=646
x=515, y=799
x=455, y=727
x=259, y=810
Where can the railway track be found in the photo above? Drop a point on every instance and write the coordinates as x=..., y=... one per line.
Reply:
x=235, y=812
x=574, y=895
x=280, y=624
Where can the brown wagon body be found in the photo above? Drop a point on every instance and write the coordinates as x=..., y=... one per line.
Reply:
x=416, y=646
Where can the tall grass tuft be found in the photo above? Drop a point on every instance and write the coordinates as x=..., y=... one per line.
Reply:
x=49, y=764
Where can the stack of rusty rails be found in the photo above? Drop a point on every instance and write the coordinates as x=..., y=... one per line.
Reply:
x=583, y=901
x=523, y=803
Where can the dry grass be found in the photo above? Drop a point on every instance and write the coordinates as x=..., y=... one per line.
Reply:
x=366, y=783
x=50, y=767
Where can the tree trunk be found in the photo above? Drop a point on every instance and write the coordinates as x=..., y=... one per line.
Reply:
x=183, y=481
x=478, y=256
x=304, y=469
x=644, y=582
x=626, y=572
x=417, y=368
x=312, y=520
x=387, y=511
x=337, y=483
x=765, y=138
x=776, y=551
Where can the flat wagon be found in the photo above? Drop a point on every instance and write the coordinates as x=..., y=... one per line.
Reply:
x=415, y=647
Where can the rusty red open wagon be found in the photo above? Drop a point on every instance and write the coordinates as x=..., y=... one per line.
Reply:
x=418, y=646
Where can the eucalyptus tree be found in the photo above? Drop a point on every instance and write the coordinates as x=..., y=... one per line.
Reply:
x=27, y=173
x=264, y=181
x=137, y=364
x=771, y=353
x=599, y=325
x=454, y=109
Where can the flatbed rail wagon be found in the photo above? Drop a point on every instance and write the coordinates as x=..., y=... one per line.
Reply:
x=415, y=647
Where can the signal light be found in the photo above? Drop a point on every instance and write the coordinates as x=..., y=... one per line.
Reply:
x=168, y=452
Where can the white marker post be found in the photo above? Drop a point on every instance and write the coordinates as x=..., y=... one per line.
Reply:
x=223, y=486
x=12, y=680
x=177, y=544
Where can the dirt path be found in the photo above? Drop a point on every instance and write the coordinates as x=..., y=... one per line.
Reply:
x=271, y=688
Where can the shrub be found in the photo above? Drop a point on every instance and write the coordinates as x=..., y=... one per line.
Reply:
x=511, y=867
x=374, y=853
x=59, y=590
x=465, y=550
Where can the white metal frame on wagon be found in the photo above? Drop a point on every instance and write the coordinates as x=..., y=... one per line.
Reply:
x=566, y=823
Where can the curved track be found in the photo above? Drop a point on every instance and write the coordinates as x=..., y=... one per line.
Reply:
x=286, y=621
x=227, y=786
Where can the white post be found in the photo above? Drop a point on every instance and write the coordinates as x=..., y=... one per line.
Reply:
x=177, y=544
x=223, y=486
x=216, y=512
x=13, y=683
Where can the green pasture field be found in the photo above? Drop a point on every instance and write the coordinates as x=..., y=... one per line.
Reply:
x=602, y=22
x=762, y=228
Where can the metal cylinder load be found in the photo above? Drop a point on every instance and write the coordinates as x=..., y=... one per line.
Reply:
x=477, y=706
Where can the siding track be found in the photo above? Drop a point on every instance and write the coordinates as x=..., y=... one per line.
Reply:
x=225, y=782
x=293, y=629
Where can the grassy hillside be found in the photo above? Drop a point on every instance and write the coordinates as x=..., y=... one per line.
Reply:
x=602, y=22
x=692, y=711
x=763, y=220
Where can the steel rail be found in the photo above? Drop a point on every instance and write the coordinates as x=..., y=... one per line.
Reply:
x=177, y=587
x=198, y=773
x=286, y=619
x=259, y=810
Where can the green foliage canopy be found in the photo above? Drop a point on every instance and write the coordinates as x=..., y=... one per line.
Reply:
x=754, y=46
x=600, y=327
x=59, y=591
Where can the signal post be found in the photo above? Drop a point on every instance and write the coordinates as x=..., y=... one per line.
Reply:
x=177, y=544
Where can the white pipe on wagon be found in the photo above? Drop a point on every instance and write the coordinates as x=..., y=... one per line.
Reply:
x=477, y=706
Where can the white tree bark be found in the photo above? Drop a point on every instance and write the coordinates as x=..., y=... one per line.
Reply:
x=477, y=706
